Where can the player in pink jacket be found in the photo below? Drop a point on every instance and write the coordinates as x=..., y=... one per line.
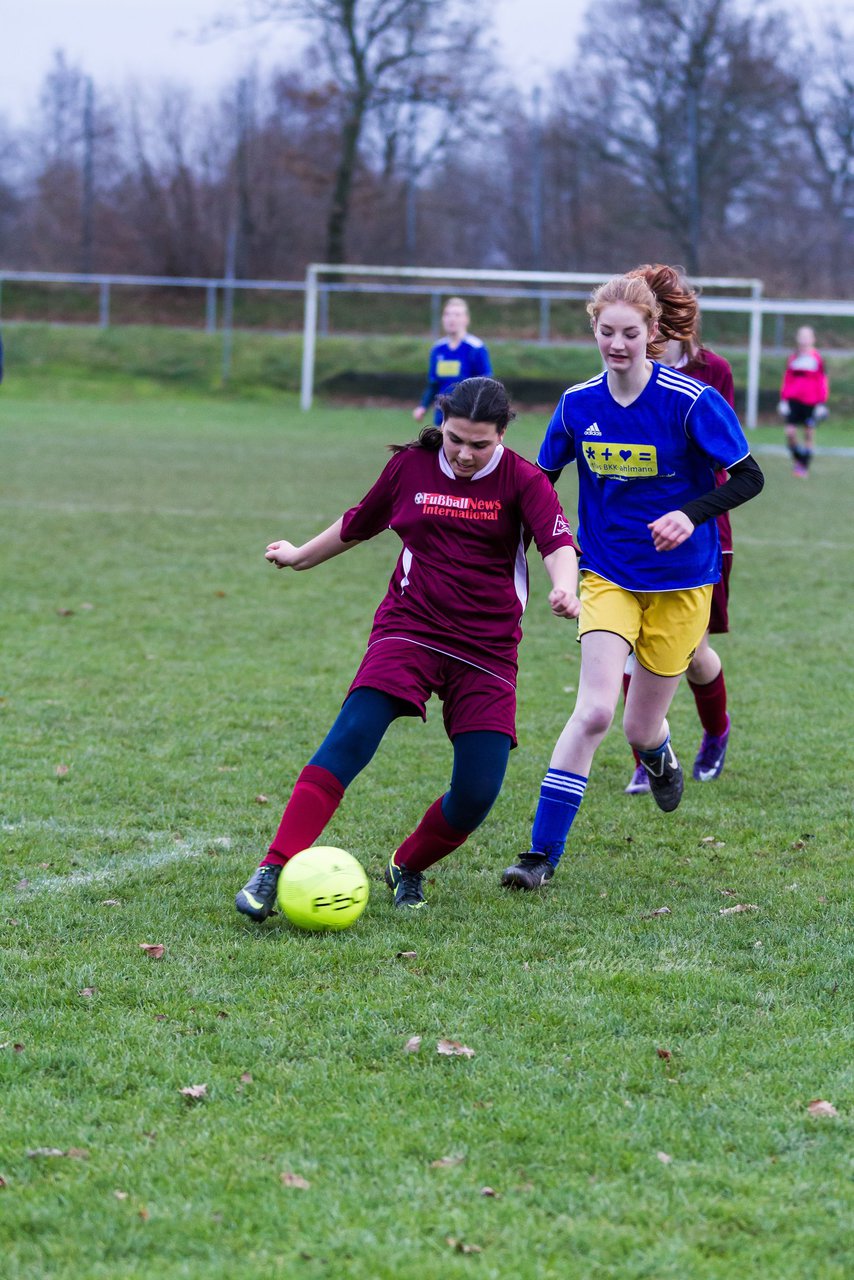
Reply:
x=803, y=399
x=465, y=509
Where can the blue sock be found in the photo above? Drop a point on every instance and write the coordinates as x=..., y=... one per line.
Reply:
x=655, y=759
x=560, y=797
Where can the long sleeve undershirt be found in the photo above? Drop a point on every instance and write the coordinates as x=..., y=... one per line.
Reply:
x=745, y=481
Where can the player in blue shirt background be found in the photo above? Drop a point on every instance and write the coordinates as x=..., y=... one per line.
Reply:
x=458, y=356
x=647, y=440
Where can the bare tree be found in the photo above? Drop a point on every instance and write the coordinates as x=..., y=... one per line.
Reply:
x=379, y=53
x=825, y=114
x=686, y=97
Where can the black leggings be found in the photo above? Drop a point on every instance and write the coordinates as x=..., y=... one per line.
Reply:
x=480, y=757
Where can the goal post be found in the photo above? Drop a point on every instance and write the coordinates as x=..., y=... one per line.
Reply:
x=533, y=279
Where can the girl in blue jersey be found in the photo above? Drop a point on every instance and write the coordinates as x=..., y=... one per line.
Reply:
x=458, y=356
x=647, y=441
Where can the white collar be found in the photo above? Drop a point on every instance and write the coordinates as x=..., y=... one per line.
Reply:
x=447, y=470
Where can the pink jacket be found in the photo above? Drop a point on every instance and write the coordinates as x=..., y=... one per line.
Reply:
x=805, y=379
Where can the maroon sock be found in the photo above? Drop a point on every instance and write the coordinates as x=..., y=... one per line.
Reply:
x=434, y=838
x=314, y=799
x=627, y=680
x=711, y=704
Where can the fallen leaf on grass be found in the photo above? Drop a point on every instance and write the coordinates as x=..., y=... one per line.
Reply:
x=453, y=1049
x=819, y=1107
x=194, y=1091
x=412, y=1045
x=446, y=1162
x=739, y=906
x=294, y=1180
x=461, y=1247
x=259, y=799
x=665, y=1054
x=88, y=991
x=154, y=949
x=659, y=911
x=664, y=1157
x=407, y=955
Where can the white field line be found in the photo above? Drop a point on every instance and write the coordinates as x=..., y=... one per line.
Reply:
x=177, y=851
x=745, y=540
x=822, y=451
x=128, y=509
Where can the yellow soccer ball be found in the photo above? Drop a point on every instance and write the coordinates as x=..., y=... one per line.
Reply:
x=323, y=888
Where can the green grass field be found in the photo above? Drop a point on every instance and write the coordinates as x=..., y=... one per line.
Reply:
x=638, y=1095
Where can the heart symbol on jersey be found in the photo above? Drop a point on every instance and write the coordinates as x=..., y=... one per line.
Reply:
x=625, y=454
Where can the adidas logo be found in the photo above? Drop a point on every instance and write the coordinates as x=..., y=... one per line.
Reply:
x=593, y=430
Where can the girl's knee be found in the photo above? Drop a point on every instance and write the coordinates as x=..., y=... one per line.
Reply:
x=593, y=720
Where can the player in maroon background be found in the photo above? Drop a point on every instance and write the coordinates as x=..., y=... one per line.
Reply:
x=705, y=674
x=465, y=509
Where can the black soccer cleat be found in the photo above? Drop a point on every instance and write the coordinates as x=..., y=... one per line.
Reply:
x=405, y=885
x=257, y=898
x=532, y=871
x=666, y=783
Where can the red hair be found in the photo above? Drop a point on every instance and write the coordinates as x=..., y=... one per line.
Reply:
x=661, y=294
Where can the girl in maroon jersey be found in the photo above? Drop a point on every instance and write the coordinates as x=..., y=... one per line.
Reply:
x=465, y=508
x=705, y=674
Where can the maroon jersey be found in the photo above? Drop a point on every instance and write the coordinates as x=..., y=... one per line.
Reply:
x=706, y=366
x=461, y=583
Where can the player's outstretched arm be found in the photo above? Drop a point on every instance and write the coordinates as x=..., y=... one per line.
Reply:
x=284, y=555
x=562, y=568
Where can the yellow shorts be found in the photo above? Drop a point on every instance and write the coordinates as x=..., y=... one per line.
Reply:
x=662, y=627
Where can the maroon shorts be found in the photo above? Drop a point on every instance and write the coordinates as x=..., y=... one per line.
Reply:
x=719, y=616
x=472, y=698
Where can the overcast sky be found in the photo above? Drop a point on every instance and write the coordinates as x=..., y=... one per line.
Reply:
x=114, y=40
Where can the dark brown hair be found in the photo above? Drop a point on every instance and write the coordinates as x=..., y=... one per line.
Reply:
x=477, y=399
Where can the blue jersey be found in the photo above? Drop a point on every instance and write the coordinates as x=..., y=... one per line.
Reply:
x=450, y=365
x=636, y=463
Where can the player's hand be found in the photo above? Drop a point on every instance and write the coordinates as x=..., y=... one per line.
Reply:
x=671, y=530
x=281, y=554
x=564, y=604
x=418, y=413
